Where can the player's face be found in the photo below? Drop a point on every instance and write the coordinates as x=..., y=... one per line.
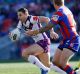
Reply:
x=54, y=5
x=22, y=16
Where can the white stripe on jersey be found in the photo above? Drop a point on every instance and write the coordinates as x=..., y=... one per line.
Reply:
x=36, y=25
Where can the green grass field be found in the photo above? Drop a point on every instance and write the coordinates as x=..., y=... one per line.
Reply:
x=22, y=68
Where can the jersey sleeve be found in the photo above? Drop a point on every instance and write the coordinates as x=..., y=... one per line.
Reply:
x=56, y=18
x=19, y=25
x=34, y=19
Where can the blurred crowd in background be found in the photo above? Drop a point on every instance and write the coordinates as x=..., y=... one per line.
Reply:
x=8, y=18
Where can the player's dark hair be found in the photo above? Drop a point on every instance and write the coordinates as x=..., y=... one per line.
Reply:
x=23, y=10
x=58, y=2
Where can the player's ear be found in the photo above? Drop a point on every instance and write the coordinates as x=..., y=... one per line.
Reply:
x=26, y=13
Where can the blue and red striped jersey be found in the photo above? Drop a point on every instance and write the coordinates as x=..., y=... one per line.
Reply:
x=65, y=19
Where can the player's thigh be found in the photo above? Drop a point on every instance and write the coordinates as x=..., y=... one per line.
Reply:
x=65, y=56
x=57, y=56
x=45, y=58
x=34, y=49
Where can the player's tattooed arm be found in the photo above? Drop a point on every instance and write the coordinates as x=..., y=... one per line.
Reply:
x=53, y=34
x=43, y=19
x=46, y=28
x=41, y=30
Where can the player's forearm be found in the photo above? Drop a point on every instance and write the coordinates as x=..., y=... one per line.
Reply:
x=46, y=28
x=44, y=19
x=43, y=29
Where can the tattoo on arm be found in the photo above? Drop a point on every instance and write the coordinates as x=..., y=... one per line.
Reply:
x=46, y=28
x=43, y=19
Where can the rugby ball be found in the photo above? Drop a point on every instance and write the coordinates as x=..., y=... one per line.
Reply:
x=15, y=34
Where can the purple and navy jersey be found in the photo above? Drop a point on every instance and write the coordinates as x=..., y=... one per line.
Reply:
x=64, y=18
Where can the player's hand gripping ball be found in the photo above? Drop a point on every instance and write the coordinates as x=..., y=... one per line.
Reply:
x=15, y=34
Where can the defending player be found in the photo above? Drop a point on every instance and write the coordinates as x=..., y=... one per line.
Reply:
x=70, y=43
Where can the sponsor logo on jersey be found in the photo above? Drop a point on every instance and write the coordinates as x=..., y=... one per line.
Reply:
x=55, y=17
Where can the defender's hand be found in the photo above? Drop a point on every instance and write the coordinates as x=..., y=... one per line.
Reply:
x=54, y=35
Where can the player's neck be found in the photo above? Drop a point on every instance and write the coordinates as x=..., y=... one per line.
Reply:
x=25, y=19
x=57, y=7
